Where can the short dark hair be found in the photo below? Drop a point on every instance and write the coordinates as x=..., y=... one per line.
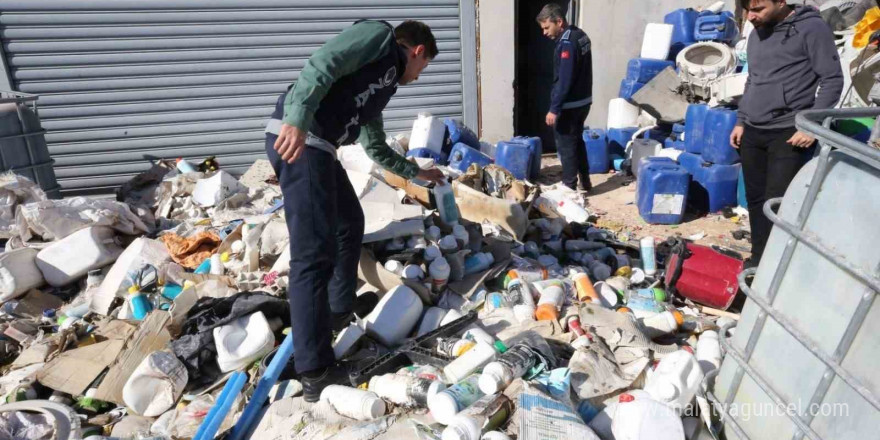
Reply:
x=746, y=4
x=552, y=12
x=412, y=33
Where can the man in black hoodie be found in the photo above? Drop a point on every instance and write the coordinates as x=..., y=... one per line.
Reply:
x=791, y=54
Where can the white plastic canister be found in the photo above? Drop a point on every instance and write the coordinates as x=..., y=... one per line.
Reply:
x=640, y=418
x=18, y=273
x=656, y=42
x=75, y=255
x=395, y=316
x=243, y=341
x=155, y=385
x=676, y=380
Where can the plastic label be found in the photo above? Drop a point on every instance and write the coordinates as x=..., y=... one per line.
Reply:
x=668, y=204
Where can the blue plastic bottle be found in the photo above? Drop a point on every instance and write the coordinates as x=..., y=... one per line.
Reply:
x=628, y=88
x=643, y=70
x=457, y=132
x=462, y=156
x=683, y=23
x=515, y=157
x=716, y=27
x=536, y=148
x=618, y=138
x=695, y=120
x=662, y=193
x=718, y=125
x=597, y=151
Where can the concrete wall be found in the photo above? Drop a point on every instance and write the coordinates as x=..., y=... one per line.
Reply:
x=495, y=48
x=616, y=28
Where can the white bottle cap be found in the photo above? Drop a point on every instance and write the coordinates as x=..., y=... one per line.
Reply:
x=394, y=266
x=492, y=379
x=448, y=244
x=432, y=252
x=462, y=428
x=373, y=407
x=413, y=272
x=433, y=233
x=443, y=407
x=460, y=232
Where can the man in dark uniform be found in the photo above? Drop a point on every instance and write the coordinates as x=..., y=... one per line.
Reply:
x=338, y=99
x=572, y=94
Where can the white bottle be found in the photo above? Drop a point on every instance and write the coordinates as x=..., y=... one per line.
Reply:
x=431, y=320
x=461, y=236
x=405, y=390
x=394, y=316
x=413, y=272
x=448, y=244
x=709, y=351
x=354, y=403
x=216, y=265
x=662, y=323
x=647, y=249
x=346, y=341
x=416, y=242
x=640, y=418
x=495, y=435
x=394, y=266
x=487, y=413
x=446, y=206
x=470, y=362
x=439, y=271
x=676, y=380
x=433, y=234
x=251, y=237
x=432, y=252
x=515, y=362
x=446, y=404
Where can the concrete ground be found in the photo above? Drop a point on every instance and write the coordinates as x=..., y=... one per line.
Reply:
x=612, y=200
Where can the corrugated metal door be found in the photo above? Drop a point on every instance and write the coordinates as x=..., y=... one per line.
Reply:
x=122, y=82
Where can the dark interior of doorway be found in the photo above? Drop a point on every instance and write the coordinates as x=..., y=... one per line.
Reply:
x=534, y=71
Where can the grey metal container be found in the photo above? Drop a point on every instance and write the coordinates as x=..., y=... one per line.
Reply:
x=23, y=147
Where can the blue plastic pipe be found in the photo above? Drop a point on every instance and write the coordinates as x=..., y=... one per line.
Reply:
x=211, y=424
x=249, y=420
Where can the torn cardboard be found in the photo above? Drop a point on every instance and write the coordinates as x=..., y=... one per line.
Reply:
x=371, y=271
x=478, y=208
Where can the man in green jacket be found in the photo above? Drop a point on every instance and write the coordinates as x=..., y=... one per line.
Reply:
x=337, y=100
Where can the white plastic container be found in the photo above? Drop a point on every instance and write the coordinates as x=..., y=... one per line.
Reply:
x=470, y=362
x=432, y=252
x=451, y=315
x=495, y=435
x=461, y=236
x=405, y=390
x=347, y=340
x=428, y=132
x=243, y=341
x=709, y=351
x=555, y=201
x=676, y=380
x=446, y=205
x=513, y=363
x=18, y=273
x=354, y=403
x=477, y=334
x=431, y=320
x=439, y=271
x=656, y=42
x=446, y=404
x=395, y=316
x=663, y=324
x=646, y=245
x=155, y=385
x=413, y=272
x=433, y=234
x=487, y=413
x=213, y=190
x=72, y=257
x=394, y=266
x=639, y=418
x=622, y=114
x=448, y=244
x=216, y=265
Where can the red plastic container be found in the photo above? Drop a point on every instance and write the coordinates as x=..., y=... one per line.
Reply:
x=703, y=275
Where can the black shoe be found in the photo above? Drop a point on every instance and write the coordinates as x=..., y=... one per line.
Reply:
x=312, y=386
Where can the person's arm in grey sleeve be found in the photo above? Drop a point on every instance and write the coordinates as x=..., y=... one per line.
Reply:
x=740, y=113
x=819, y=43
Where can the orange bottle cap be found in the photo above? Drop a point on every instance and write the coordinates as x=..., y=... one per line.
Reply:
x=546, y=312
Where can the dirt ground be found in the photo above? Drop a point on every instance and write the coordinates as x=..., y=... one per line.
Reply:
x=612, y=200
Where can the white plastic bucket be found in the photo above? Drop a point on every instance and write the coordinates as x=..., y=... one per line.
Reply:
x=658, y=38
x=155, y=385
x=395, y=316
x=72, y=257
x=622, y=114
x=243, y=341
x=18, y=273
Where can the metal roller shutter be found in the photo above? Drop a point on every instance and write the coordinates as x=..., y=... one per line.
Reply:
x=122, y=82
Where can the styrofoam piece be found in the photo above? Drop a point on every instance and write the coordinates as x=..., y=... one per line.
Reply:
x=243, y=341
x=70, y=258
x=139, y=252
x=427, y=132
x=622, y=114
x=676, y=380
x=19, y=273
x=213, y=190
x=155, y=385
x=657, y=40
x=395, y=316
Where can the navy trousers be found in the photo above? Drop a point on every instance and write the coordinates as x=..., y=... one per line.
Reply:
x=570, y=146
x=326, y=226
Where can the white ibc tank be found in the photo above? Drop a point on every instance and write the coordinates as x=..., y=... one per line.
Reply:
x=820, y=300
x=73, y=256
x=395, y=316
x=243, y=341
x=18, y=273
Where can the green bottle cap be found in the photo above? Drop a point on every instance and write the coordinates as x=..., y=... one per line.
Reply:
x=659, y=294
x=500, y=347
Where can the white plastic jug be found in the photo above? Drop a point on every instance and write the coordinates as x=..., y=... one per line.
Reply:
x=640, y=418
x=243, y=341
x=675, y=380
x=658, y=38
x=155, y=385
x=347, y=340
x=709, y=351
x=354, y=403
x=74, y=256
x=18, y=273
x=431, y=320
x=622, y=114
x=428, y=132
x=395, y=316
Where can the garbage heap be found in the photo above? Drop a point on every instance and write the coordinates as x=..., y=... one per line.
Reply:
x=502, y=309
